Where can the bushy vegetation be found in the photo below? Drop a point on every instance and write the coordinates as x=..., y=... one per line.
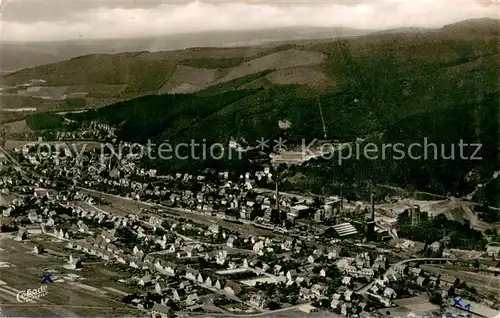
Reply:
x=432, y=229
x=45, y=121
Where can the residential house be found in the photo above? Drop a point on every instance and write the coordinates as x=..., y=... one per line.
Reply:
x=200, y=278
x=415, y=272
x=435, y=246
x=366, y=272
x=22, y=234
x=291, y=275
x=38, y=249
x=375, y=289
x=333, y=254
x=258, y=247
x=230, y=241
x=401, y=269
x=219, y=284
x=74, y=263
x=178, y=294
x=192, y=299
x=220, y=257
x=145, y=280
x=208, y=282
x=335, y=303
x=493, y=249
x=214, y=229
x=347, y=281
x=389, y=293
x=287, y=245
x=317, y=289
x=191, y=274
x=362, y=260
x=50, y=222
x=161, y=311
x=232, y=288
x=351, y=270
x=421, y=281
x=33, y=216
x=348, y=295
x=306, y=294
x=150, y=258
x=175, y=247
x=447, y=281
x=433, y=281
x=379, y=264
x=170, y=268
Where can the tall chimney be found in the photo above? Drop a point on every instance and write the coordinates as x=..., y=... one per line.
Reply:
x=372, y=212
x=277, y=199
x=370, y=224
x=341, y=200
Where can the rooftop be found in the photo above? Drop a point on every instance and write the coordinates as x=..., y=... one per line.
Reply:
x=344, y=229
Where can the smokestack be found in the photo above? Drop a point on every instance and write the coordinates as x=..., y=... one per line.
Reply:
x=277, y=198
x=341, y=200
x=370, y=224
x=372, y=212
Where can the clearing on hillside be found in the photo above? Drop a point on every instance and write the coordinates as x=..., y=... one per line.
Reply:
x=301, y=76
x=279, y=60
x=187, y=79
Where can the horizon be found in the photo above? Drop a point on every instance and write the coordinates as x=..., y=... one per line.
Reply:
x=145, y=37
x=43, y=21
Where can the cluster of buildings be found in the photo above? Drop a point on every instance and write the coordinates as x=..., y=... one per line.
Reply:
x=215, y=193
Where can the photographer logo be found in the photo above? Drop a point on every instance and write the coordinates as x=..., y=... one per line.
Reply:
x=31, y=295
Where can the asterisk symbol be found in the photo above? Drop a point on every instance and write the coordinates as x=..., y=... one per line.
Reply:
x=280, y=145
x=262, y=144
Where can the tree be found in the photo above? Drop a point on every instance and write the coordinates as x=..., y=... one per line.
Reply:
x=160, y=232
x=128, y=299
x=274, y=305
x=436, y=298
x=343, y=252
x=293, y=298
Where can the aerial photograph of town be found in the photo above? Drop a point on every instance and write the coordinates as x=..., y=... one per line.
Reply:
x=250, y=158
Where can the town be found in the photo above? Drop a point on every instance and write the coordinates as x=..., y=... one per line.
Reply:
x=127, y=241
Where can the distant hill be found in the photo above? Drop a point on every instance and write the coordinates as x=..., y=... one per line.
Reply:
x=385, y=88
x=479, y=26
x=316, y=63
x=17, y=55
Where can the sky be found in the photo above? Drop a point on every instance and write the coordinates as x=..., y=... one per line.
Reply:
x=50, y=20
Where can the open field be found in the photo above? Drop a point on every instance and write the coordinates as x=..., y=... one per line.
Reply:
x=187, y=79
x=301, y=76
x=69, y=295
x=279, y=60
